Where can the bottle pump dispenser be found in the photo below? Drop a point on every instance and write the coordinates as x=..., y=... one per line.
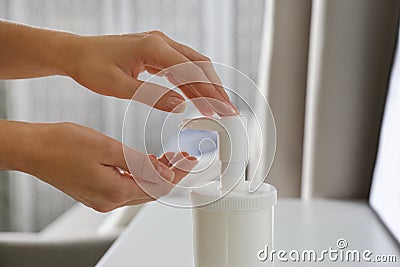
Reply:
x=230, y=223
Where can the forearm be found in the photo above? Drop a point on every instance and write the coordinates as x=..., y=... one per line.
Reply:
x=27, y=52
x=14, y=138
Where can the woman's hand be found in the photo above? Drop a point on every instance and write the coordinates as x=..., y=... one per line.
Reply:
x=110, y=65
x=89, y=166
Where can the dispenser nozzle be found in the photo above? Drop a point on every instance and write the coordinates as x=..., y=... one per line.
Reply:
x=232, y=145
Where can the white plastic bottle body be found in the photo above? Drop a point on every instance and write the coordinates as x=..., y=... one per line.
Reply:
x=232, y=238
x=231, y=231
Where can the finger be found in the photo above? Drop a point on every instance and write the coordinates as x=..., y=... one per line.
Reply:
x=179, y=156
x=170, y=158
x=201, y=94
x=191, y=75
x=151, y=94
x=211, y=74
x=142, y=166
x=167, y=157
x=202, y=61
x=182, y=167
x=200, y=104
x=153, y=71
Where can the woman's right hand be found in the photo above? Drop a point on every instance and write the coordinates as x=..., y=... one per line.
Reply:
x=91, y=167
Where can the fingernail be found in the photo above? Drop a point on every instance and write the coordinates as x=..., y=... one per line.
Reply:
x=176, y=104
x=165, y=172
x=231, y=105
x=225, y=109
x=191, y=158
x=235, y=108
x=208, y=112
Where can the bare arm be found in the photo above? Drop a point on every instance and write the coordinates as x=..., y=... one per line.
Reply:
x=87, y=165
x=28, y=52
x=110, y=64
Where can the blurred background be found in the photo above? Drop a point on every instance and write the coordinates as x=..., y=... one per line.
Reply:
x=228, y=31
x=323, y=65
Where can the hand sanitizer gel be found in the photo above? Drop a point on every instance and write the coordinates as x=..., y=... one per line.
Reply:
x=230, y=223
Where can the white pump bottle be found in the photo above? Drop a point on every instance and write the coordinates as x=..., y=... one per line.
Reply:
x=230, y=224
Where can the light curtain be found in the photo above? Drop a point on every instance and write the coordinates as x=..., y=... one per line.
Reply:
x=324, y=68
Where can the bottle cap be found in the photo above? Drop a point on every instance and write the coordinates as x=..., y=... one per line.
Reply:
x=232, y=146
x=237, y=200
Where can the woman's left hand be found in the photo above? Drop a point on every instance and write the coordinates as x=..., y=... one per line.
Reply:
x=110, y=65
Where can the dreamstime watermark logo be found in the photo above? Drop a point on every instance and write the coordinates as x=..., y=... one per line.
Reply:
x=340, y=253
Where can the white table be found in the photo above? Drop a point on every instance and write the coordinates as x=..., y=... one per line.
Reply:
x=162, y=236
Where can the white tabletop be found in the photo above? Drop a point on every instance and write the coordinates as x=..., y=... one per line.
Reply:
x=162, y=236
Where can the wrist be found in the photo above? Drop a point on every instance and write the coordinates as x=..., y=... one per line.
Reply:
x=36, y=147
x=27, y=146
x=12, y=152
x=64, y=52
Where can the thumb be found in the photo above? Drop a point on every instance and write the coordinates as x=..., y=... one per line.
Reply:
x=151, y=94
